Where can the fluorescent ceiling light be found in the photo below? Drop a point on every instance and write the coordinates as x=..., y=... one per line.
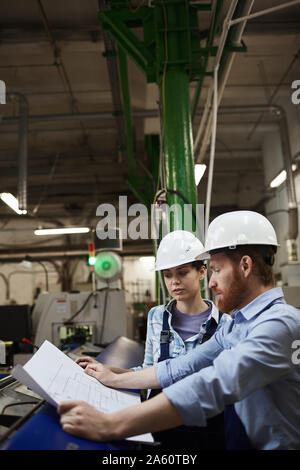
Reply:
x=12, y=202
x=278, y=180
x=61, y=231
x=199, y=172
x=281, y=177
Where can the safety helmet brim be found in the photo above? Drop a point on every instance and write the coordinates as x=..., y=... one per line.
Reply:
x=178, y=248
x=224, y=249
x=172, y=265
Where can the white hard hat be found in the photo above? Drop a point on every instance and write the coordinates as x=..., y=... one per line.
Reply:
x=239, y=228
x=177, y=248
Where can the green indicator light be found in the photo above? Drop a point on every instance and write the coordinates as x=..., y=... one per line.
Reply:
x=92, y=260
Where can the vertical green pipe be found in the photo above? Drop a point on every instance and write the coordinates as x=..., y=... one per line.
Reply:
x=122, y=58
x=177, y=125
x=178, y=139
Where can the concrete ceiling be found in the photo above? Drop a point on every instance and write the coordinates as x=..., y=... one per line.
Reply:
x=74, y=163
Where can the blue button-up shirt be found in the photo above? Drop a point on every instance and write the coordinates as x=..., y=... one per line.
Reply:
x=250, y=361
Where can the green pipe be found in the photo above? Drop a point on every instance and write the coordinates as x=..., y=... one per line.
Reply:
x=178, y=141
x=177, y=125
x=239, y=12
x=127, y=109
x=122, y=35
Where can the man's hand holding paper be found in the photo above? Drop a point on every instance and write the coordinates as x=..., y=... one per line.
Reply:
x=83, y=420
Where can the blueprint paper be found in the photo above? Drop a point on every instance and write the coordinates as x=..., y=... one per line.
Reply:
x=56, y=377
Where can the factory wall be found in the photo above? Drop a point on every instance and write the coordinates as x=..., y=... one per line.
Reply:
x=25, y=283
x=138, y=279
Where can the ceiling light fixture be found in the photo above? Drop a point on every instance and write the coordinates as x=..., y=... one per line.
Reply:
x=61, y=231
x=281, y=177
x=12, y=202
x=199, y=172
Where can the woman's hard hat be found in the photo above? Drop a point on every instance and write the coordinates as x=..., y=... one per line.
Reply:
x=177, y=248
x=236, y=228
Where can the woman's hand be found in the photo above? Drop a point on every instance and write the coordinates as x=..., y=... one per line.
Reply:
x=102, y=373
x=85, y=361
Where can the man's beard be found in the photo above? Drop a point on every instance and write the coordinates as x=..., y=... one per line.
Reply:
x=233, y=295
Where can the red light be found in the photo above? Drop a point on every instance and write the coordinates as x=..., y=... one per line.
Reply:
x=91, y=249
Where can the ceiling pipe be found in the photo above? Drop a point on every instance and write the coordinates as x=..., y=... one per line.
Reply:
x=239, y=24
x=266, y=11
x=208, y=114
x=79, y=116
x=55, y=254
x=22, y=148
x=205, y=127
x=216, y=8
x=143, y=113
x=212, y=150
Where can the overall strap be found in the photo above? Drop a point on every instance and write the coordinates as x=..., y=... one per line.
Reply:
x=165, y=336
x=208, y=329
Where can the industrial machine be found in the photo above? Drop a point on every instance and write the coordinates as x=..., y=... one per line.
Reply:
x=97, y=317
x=66, y=318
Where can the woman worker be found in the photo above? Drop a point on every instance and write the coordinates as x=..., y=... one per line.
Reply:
x=173, y=329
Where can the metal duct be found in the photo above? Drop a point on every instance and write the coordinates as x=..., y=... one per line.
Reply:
x=22, y=148
x=142, y=113
x=82, y=116
x=225, y=62
x=292, y=234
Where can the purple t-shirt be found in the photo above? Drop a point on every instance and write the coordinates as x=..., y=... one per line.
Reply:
x=188, y=325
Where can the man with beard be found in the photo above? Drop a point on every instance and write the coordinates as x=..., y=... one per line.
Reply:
x=246, y=368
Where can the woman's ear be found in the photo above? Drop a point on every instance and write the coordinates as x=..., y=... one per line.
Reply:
x=202, y=272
